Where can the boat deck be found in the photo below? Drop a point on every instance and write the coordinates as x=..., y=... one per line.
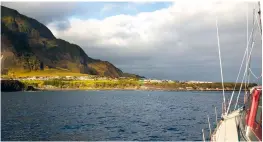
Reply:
x=227, y=129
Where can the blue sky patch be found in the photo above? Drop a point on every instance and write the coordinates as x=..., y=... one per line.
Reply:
x=101, y=10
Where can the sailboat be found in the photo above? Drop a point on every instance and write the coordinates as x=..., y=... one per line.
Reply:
x=241, y=123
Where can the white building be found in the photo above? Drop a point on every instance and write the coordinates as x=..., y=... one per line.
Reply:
x=198, y=82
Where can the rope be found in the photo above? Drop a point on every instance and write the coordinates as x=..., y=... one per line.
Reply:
x=221, y=70
x=244, y=75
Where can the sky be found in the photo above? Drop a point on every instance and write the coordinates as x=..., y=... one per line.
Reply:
x=161, y=40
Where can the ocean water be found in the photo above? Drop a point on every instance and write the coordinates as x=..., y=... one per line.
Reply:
x=108, y=115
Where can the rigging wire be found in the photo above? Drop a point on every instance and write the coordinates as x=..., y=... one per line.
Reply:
x=244, y=75
x=247, y=42
x=249, y=59
x=245, y=53
x=256, y=78
x=236, y=81
x=259, y=26
x=254, y=74
x=221, y=70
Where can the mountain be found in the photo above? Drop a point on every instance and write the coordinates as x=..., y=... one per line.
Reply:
x=28, y=45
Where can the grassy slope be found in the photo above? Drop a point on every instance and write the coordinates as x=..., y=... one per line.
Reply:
x=46, y=72
x=29, y=45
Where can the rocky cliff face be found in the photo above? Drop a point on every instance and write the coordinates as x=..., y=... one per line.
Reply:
x=28, y=45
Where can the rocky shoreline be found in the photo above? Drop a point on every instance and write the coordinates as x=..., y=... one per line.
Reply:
x=15, y=85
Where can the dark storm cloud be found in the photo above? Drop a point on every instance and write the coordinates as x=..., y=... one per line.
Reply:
x=198, y=61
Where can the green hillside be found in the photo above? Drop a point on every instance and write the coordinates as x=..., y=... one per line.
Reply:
x=29, y=46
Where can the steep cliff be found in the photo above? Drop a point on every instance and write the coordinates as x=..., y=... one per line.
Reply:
x=28, y=45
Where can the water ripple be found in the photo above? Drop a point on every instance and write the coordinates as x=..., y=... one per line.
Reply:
x=106, y=115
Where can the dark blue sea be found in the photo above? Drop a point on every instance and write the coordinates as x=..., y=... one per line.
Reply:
x=108, y=115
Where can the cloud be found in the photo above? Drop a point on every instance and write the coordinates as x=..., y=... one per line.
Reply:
x=108, y=7
x=177, y=42
x=61, y=25
x=45, y=12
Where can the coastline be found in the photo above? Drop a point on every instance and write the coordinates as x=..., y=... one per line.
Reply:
x=126, y=89
x=105, y=85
